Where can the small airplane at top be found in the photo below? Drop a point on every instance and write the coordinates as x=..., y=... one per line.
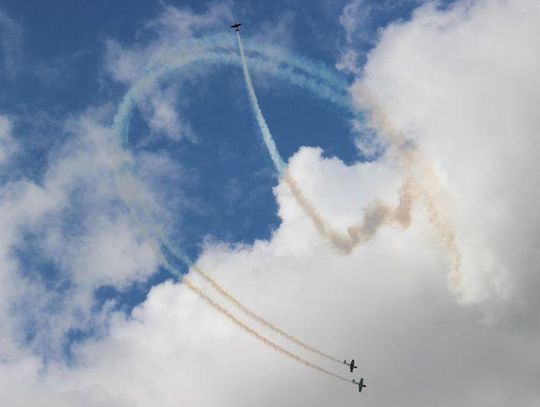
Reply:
x=360, y=384
x=236, y=26
x=351, y=365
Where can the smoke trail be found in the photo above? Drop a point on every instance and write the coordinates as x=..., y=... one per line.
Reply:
x=193, y=55
x=258, y=336
x=415, y=188
x=322, y=83
x=213, y=51
x=267, y=136
x=225, y=44
x=233, y=300
x=197, y=290
x=375, y=216
x=126, y=185
x=425, y=185
x=121, y=128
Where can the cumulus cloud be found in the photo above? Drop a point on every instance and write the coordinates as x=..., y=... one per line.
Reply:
x=63, y=237
x=461, y=86
x=387, y=304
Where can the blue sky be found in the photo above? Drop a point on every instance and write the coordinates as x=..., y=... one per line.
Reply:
x=60, y=73
x=413, y=210
x=230, y=178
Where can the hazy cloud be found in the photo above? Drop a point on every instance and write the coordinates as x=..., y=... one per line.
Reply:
x=10, y=43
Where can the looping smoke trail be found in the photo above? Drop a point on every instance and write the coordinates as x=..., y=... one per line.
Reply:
x=315, y=79
x=419, y=184
x=160, y=72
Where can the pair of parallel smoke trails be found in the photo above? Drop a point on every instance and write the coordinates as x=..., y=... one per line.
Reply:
x=217, y=50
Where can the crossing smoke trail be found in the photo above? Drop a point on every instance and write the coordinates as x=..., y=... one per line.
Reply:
x=126, y=184
x=419, y=184
x=376, y=215
x=321, y=83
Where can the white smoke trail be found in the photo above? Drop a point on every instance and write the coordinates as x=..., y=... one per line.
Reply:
x=121, y=128
x=270, y=54
x=314, y=79
x=267, y=136
x=320, y=81
x=165, y=65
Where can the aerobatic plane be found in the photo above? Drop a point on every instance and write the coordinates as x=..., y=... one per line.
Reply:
x=351, y=365
x=236, y=26
x=360, y=384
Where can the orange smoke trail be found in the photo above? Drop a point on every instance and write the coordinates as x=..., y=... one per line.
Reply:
x=154, y=230
x=375, y=216
x=258, y=336
x=197, y=290
x=425, y=185
x=341, y=243
x=260, y=319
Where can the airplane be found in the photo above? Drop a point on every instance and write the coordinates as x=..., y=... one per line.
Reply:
x=360, y=384
x=236, y=26
x=351, y=365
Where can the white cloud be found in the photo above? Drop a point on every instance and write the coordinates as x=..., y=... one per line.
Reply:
x=101, y=247
x=386, y=304
x=126, y=63
x=161, y=111
x=462, y=83
x=362, y=21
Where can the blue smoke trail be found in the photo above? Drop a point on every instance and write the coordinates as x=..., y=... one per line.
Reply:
x=215, y=50
x=267, y=136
